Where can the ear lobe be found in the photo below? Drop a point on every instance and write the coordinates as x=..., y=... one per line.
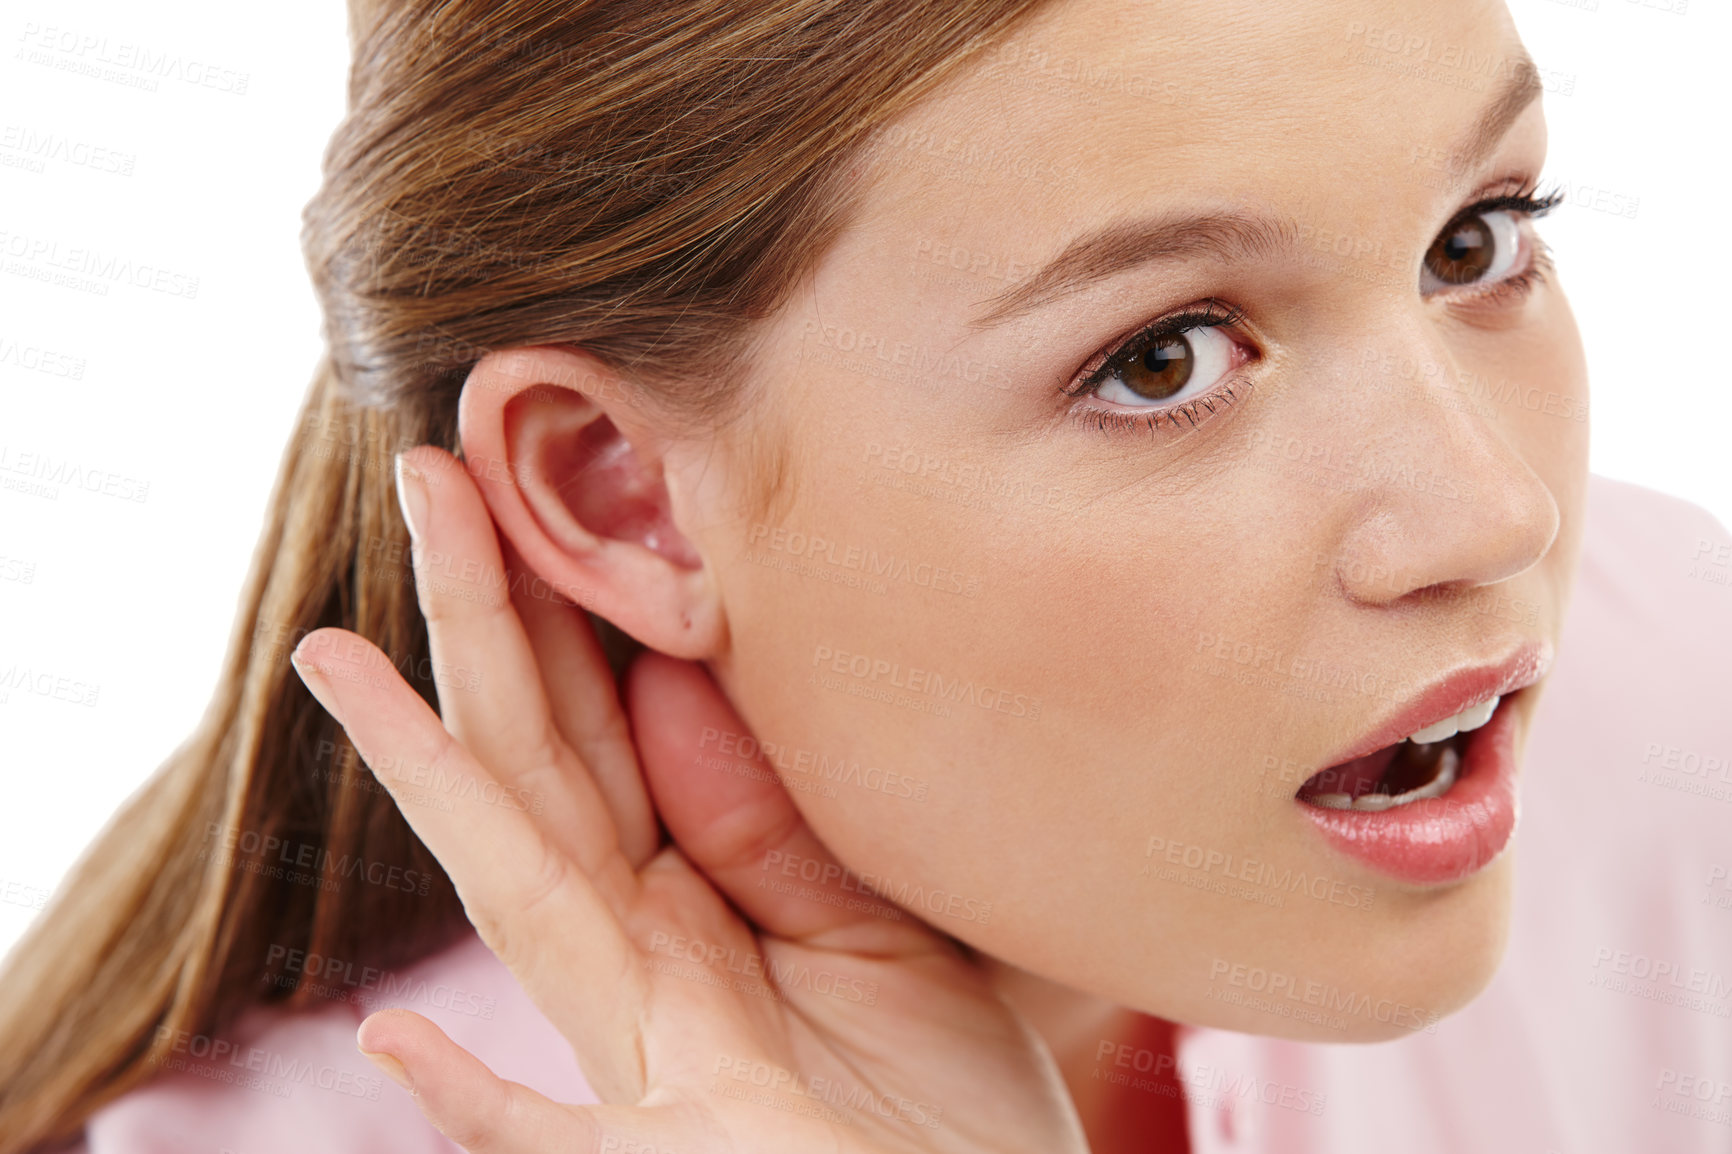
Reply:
x=548, y=433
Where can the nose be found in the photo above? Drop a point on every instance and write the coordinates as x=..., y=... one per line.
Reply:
x=1450, y=502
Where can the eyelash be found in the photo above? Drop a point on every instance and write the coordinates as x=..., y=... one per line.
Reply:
x=1217, y=314
x=1214, y=314
x=1532, y=205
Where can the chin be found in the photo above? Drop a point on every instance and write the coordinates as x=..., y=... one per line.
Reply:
x=1427, y=954
x=1459, y=940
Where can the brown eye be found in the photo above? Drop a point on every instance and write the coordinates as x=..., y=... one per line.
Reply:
x=1474, y=249
x=1461, y=255
x=1161, y=367
x=1162, y=370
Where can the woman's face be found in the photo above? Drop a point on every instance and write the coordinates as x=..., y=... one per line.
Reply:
x=1047, y=653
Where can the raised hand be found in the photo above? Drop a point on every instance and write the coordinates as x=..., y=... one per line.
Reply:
x=708, y=1010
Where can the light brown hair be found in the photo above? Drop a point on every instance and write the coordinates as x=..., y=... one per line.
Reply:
x=642, y=178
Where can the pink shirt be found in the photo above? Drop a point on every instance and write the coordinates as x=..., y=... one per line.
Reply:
x=1608, y=1026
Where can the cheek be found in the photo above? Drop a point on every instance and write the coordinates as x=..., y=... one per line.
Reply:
x=993, y=715
x=959, y=680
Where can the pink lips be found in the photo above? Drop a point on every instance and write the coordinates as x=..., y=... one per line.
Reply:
x=1448, y=838
x=1442, y=839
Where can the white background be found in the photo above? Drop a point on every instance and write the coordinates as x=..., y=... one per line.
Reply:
x=196, y=396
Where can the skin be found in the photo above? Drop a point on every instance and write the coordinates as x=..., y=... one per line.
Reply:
x=1421, y=532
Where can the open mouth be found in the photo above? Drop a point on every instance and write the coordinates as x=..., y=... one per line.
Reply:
x=1420, y=767
x=1429, y=798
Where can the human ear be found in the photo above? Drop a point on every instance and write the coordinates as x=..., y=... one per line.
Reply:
x=568, y=459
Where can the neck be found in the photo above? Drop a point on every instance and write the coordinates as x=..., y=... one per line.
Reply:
x=1118, y=1064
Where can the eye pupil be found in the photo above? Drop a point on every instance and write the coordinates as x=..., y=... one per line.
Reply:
x=1464, y=253
x=1163, y=369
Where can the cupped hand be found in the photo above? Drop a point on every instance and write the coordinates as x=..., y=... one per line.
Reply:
x=710, y=1010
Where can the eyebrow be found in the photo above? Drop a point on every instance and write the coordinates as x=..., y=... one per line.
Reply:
x=1124, y=245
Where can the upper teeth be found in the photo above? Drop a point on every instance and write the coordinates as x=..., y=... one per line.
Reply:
x=1472, y=717
x=1449, y=764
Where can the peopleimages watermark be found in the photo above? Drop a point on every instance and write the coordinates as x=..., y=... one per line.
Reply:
x=1719, y=879
x=369, y=987
x=752, y=973
x=43, y=683
x=822, y=875
x=1670, y=7
x=1308, y=999
x=753, y=770
x=1686, y=771
x=435, y=786
x=362, y=661
x=1451, y=63
x=15, y=893
x=387, y=557
x=1249, y=878
x=1663, y=980
x=1202, y=1084
x=35, y=149
x=1711, y=562
x=969, y=265
x=1382, y=369
x=1026, y=64
x=37, y=359
x=769, y=545
x=925, y=690
x=614, y=1144
x=123, y=62
x=254, y=1067
x=345, y=438
x=17, y=569
x=940, y=477
x=883, y=357
x=964, y=159
x=91, y=270
x=303, y=863
x=805, y=763
x=1491, y=601
x=1344, y=469
x=1698, y=1096
x=1292, y=673
x=838, y=1096
x=39, y=474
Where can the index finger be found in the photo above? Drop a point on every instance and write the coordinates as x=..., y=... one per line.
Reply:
x=492, y=694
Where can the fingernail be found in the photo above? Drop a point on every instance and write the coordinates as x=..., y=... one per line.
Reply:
x=412, y=497
x=391, y=1068
x=303, y=663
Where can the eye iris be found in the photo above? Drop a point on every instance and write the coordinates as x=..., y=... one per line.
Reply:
x=1462, y=255
x=1162, y=370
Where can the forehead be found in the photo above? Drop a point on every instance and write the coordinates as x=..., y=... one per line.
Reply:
x=1100, y=108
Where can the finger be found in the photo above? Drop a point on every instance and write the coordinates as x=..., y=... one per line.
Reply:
x=734, y=820
x=489, y=689
x=554, y=922
x=489, y=684
x=465, y=1101
x=584, y=702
